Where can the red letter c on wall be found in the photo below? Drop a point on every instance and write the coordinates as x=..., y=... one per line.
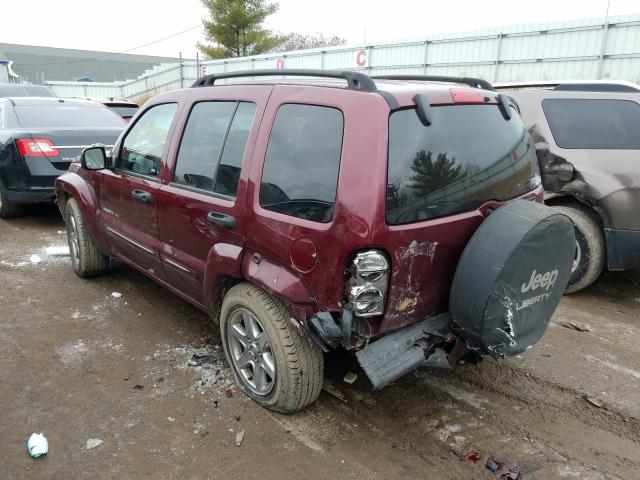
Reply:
x=361, y=58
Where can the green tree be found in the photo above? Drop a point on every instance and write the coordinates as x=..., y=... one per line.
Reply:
x=429, y=176
x=298, y=41
x=235, y=28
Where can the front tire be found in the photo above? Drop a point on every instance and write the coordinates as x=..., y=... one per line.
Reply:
x=590, y=248
x=273, y=363
x=86, y=259
x=9, y=209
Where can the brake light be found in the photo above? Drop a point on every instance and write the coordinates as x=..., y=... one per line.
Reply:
x=36, y=147
x=466, y=95
x=368, y=283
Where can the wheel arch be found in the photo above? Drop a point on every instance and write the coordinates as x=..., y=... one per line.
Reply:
x=71, y=185
x=276, y=280
x=597, y=214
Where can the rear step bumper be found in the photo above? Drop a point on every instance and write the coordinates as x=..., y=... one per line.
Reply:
x=396, y=354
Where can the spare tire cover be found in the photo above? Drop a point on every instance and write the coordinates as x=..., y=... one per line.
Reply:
x=511, y=277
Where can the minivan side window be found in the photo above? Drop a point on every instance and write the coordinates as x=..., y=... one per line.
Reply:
x=300, y=174
x=594, y=124
x=142, y=147
x=212, y=147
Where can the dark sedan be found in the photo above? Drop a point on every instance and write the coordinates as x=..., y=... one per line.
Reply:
x=39, y=138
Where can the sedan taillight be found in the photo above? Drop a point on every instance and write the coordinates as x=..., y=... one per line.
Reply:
x=368, y=283
x=36, y=147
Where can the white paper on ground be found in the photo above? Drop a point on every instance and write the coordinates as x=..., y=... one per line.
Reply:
x=37, y=445
x=58, y=251
x=93, y=443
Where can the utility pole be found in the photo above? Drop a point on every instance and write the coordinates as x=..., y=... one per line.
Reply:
x=605, y=31
x=181, y=72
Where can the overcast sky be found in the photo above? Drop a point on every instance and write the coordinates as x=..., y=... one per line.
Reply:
x=119, y=25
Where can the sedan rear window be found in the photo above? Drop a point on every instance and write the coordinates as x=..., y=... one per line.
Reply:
x=468, y=155
x=597, y=124
x=63, y=115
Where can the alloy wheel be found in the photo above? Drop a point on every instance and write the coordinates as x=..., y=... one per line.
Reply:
x=250, y=352
x=73, y=240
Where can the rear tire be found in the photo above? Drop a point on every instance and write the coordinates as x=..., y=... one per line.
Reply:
x=86, y=259
x=9, y=209
x=294, y=361
x=590, y=247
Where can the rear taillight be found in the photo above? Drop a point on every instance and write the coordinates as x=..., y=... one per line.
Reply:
x=368, y=283
x=36, y=147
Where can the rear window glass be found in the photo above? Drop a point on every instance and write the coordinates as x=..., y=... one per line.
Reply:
x=125, y=111
x=61, y=115
x=25, y=91
x=596, y=124
x=300, y=173
x=469, y=155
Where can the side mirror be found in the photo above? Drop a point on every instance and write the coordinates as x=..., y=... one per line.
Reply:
x=94, y=158
x=565, y=172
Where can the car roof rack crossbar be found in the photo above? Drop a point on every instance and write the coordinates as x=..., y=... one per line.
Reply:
x=355, y=80
x=470, y=81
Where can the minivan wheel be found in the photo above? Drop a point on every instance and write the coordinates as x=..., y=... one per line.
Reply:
x=9, y=209
x=273, y=363
x=86, y=259
x=590, y=248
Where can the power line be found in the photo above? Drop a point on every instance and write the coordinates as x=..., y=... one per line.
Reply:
x=162, y=39
x=78, y=60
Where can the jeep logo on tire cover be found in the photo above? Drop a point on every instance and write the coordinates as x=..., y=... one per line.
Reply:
x=538, y=280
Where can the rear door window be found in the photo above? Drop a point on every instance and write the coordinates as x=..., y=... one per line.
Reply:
x=594, y=124
x=300, y=174
x=213, y=145
x=143, y=146
x=468, y=155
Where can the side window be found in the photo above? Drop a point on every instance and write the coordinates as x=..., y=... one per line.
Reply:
x=300, y=174
x=596, y=124
x=228, y=173
x=142, y=147
x=212, y=146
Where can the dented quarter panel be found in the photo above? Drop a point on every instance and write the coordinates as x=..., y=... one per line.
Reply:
x=608, y=180
x=276, y=280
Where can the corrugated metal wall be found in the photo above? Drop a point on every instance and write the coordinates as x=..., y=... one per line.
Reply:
x=580, y=49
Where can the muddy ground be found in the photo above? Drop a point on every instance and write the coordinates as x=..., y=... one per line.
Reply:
x=78, y=363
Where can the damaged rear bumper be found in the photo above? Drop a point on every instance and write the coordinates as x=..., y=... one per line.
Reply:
x=429, y=343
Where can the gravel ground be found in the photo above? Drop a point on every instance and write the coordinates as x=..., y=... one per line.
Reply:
x=79, y=363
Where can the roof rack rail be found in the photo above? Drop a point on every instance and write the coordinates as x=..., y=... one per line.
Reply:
x=471, y=81
x=355, y=80
x=573, y=86
x=595, y=87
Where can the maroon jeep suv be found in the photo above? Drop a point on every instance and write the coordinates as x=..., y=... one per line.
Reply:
x=398, y=217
